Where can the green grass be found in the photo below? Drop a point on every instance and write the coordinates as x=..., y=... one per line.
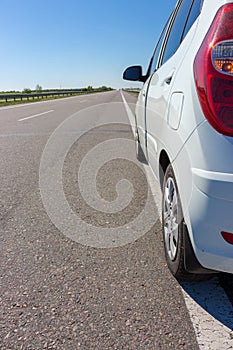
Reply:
x=136, y=92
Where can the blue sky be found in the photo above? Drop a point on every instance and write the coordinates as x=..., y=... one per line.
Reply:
x=75, y=43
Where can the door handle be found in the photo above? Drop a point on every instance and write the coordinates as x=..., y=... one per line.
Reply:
x=168, y=79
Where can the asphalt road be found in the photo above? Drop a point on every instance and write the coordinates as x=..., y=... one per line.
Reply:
x=66, y=283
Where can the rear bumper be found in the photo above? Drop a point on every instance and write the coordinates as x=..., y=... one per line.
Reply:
x=210, y=213
x=214, y=184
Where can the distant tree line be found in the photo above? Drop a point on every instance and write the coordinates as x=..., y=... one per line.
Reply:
x=39, y=89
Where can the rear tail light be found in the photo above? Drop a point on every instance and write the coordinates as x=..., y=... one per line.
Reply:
x=213, y=72
x=228, y=237
x=222, y=57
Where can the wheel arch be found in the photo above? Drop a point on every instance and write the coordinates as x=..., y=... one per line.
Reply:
x=185, y=266
x=164, y=162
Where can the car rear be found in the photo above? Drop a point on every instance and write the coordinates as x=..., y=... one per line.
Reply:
x=204, y=165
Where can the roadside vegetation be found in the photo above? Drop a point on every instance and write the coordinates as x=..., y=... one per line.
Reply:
x=132, y=90
x=27, y=95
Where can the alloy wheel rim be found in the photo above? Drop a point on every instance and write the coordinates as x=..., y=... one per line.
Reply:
x=170, y=218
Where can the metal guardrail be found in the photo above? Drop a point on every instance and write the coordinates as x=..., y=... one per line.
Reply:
x=14, y=97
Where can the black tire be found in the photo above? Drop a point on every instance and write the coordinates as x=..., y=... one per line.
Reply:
x=173, y=230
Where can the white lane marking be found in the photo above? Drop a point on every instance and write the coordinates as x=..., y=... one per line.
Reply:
x=209, y=308
x=83, y=101
x=35, y=115
x=211, y=314
x=129, y=113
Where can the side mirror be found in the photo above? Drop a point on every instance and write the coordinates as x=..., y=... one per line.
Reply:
x=133, y=73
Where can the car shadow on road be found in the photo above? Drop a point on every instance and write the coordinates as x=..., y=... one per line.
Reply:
x=214, y=297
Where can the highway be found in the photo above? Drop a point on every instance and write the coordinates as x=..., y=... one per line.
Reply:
x=82, y=262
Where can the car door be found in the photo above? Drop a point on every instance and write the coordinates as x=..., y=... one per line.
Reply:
x=140, y=108
x=160, y=85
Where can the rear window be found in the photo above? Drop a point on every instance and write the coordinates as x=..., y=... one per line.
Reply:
x=187, y=13
x=177, y=29
x=194, y=13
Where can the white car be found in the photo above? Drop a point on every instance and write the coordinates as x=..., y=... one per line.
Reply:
x=184, y=126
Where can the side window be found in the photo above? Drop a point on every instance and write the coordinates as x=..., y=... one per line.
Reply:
x=194, y=13
x=158, y=48
x=177, y=29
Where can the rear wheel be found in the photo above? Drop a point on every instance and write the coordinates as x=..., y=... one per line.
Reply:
x=174, y=230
